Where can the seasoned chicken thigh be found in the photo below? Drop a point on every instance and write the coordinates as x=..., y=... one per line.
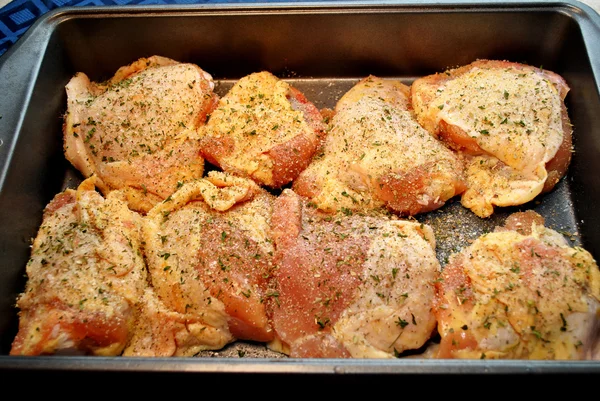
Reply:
x=350, y=286
x=519, y=293
x=510, y=123
x=160, y=331
x=377, y=156
x=263, y=129
x=137, y=132
x=209, y=252
x=85, y=277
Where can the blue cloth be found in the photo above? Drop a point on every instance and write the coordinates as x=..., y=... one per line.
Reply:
x=17, y=16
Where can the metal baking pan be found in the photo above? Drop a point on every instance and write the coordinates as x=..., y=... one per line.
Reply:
x=322, y=48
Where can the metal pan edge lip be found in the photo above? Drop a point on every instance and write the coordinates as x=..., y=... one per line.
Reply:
x=295, y=366
x=345, y=6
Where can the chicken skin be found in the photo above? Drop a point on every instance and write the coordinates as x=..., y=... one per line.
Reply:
x=377, y=156
x=137, y=132
x=519, y=293
x=350, y=286
x=160, y=331
x=263, y=129
x=510, y=123
x=209, y=253
x=86, y=276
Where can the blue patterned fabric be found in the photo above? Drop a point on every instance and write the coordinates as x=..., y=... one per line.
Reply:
x=17, y=16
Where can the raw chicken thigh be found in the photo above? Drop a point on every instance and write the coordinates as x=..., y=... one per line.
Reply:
x=85, y=277
x=510, y=123
x=520, y=292
x=350, y=285
x=377, y=156
x=263, y=129
x=137, y=131
x=209, y=253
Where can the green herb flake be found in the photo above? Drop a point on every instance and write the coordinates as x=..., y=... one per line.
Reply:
x=401, y=322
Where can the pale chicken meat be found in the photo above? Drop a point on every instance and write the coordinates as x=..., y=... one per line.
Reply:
x=85, y=277
x=264, y=129
x=510, y=123
x=209, y=255
x=350, y=286
x=377, y=156
x=137, y=131
x=520, y=292
x=160, y=331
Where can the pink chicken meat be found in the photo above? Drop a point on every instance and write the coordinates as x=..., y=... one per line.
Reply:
x=376, y=156
x=264, y=129
x=350, y=286
x=509, y=123
x=86, y=277
x=137, y=131
x=520, y=292
x=209, y=254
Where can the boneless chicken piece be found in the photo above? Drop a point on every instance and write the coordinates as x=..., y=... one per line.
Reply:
x=377, y=156
x=137, y=131
x=510, y=123
x=350, y=286
x=263, y=129
x=85, y=277
x=209, y=252
x=520, y=292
